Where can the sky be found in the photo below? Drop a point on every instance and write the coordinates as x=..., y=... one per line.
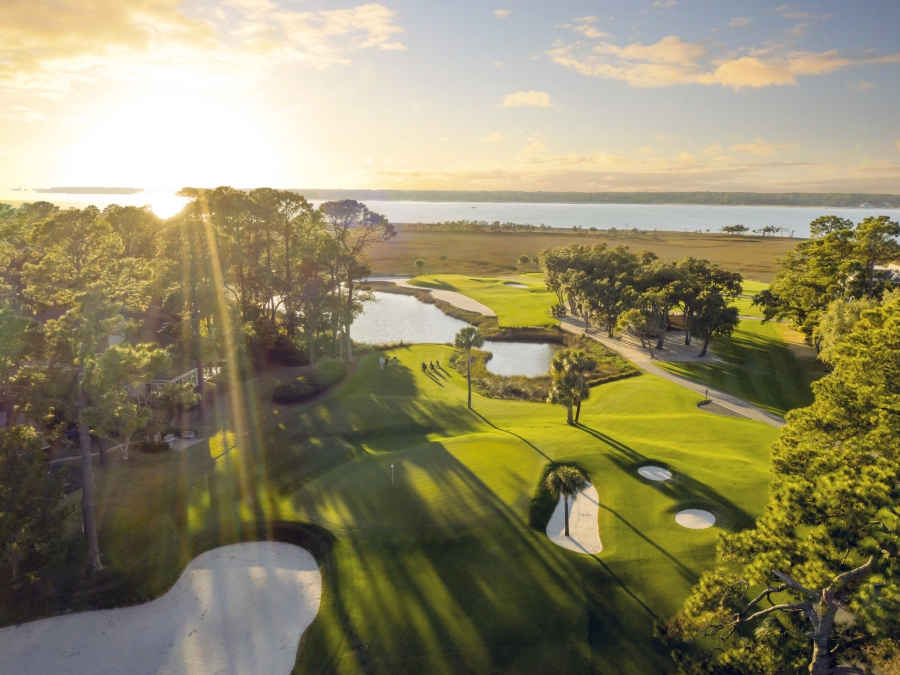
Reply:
x=463, y=94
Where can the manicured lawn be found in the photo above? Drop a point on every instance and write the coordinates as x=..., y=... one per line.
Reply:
x=513, y=305
x=745, y=303
x=759, y=366
x=441, y=573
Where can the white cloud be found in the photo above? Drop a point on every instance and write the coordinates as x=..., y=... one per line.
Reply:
x=664, y=3
x=861, y=86
x=740, y=21
x=47, y=46
x=590, y=32
x=495, y=137
x=763, y=148
x=538, y=99
x=21, y=113
x=497, y=64
x=502, y=13
x=673, y=61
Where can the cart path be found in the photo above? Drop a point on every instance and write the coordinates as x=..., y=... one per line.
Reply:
x=642, y=360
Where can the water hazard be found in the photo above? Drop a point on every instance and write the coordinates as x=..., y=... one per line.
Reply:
x=403, y=318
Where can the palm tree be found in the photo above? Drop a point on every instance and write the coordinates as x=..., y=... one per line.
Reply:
x=421, y=265
x=581, y=362
x=568, y=382
x=567, y=481
x=469, y=338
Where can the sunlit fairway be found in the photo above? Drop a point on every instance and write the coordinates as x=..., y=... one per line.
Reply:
x=760, y=365
x=745, y=303
x=514, y=306
x=448, y=570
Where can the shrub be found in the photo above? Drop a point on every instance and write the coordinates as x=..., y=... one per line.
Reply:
x=305, y=387
x=150, y=447
x=294, y=391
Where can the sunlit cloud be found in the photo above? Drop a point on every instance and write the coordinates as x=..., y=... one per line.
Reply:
x=538, y=99
x=739, y=21
x=763, y=148
x=47, y=45
x=502, y=13
x=663, y=3
x=795, y=13
x=495, y=137
x=861, y=86
x=21, y=113
x=673, y=61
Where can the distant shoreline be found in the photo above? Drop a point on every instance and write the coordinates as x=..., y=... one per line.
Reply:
x=786, y=199
x=89, y=191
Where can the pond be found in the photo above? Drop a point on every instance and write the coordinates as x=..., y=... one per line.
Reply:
x=403, y=318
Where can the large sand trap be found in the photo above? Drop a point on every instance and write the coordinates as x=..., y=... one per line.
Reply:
x=695, y=519
x=235, y=609
x=655, y=473
x=584, y=530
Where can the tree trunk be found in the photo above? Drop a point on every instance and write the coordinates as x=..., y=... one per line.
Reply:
x=87, y=489
x=822, y=660
x=201, y=385
x=311, y=339
x=566, y=508
x=703, y=351
x=469, y=374
x=101, y=447
x=650, y=347
x=125, y=447
x=569, y=420
x=349, y=344
x=580, y=390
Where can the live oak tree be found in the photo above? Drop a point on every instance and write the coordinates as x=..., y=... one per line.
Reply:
x=115, y=382
x=14, y=346
x=829, y=539
x=712, y=317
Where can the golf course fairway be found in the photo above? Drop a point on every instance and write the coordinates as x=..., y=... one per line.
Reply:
x=442, y=573
x=449, y=570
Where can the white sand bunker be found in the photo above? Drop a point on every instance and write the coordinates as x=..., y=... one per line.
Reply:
x=514, y=284
x=695, y=519
x=655, y=473
x=235, y=609
x=584, y=531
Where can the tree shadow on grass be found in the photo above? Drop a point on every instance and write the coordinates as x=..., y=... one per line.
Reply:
x=681, y=489
x=512, y=433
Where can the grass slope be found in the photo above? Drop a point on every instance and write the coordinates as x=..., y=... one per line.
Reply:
x=515, y=307
x=763, y=364
x=745, y=303
x=441, y=573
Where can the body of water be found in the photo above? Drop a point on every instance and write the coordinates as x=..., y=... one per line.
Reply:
x=666, y=217
x=403, y=318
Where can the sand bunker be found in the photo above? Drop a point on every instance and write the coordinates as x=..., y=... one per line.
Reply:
x=584, y=530
x=235, y=609
x=695, y=519
x=655, y=473
x=515, y=284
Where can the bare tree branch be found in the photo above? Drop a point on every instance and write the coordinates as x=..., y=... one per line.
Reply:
x=787, y=607
x=849, y=577
x=787, y=579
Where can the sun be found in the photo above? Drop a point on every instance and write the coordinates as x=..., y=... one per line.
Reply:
x=174, y=140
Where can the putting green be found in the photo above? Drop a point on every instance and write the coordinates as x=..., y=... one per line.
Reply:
x=513, y=305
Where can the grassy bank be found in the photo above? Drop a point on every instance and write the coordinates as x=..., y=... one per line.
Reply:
x=482, y=254
x=514, y=305
x=610, y=366
x=764, y=363
x=441, y=572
